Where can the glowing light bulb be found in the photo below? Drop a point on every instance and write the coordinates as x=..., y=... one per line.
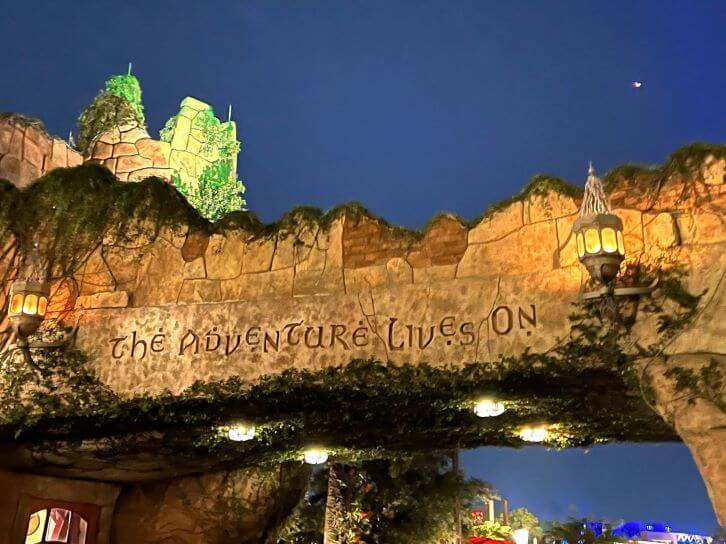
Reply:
x=241, y=432
x=533, y=434
x=489, y=408
x=315, y=456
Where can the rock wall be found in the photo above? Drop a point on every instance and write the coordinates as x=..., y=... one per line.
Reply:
x=27, y=152
x=244, y=507
x=132, y=155
x=239, y=303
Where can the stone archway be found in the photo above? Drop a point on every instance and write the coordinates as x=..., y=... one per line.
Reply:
x=239, y=318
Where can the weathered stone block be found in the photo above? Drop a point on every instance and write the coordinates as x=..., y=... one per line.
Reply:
x=112, y=136
x=224, y=255
x=112, y=299
x=195, y=269
x=32, y=154
x=131, y=163
x=660, y=232
x=123, y=149
x=363, y=279
x=10, y=169
x=195, y=245
x=567, y=242
x=702, y=227
x=434, y=273
x=101, y=151
x=713, y=171
x=6, y=134
x=74, y=158
x=399, y=271
x=498, y=224
x=28, y=173
x=133, y=135
x=533, y=247
x=200, y=290
x=549, y=206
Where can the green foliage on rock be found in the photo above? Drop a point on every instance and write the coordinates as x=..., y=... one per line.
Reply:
x=118, y=104
x=67, y=213
x=217, y=192
x=127, y=87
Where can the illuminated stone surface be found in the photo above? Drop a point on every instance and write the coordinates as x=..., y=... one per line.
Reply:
x=316, y=296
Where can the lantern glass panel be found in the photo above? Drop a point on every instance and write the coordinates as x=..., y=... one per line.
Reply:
x=30, y=306
x=580, y=245
x=42, y=305
x=609, y=240
x=621, y=245
x=16, y=304
x=592, y=241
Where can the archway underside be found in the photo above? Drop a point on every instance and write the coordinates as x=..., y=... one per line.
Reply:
x=364, y=410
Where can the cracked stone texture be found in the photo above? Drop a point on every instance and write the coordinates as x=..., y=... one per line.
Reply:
x=244, y=506
x=254, y=303
x=509, y=281
x=27, y=153
x=131, y=154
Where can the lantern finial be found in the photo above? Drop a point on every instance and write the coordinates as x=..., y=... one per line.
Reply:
x=594, y=201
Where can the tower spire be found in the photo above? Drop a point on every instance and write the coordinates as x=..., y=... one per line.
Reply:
x=594, y=201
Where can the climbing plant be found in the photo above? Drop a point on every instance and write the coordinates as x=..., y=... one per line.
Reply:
x=119, y=103
x=216, y=192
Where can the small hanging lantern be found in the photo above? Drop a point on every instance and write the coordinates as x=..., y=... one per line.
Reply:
x=489, y=408
x=598, y=233
x=28, y=304
x=315, y=456
x=241, y=432
x=538, y=433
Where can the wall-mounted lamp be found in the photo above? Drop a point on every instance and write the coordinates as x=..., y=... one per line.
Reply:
x=28, y=304
x=315, y=456
x=534, y=434
x=489, y=408
x=599, y=237
x=241, y=432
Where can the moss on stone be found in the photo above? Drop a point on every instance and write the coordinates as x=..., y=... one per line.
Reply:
x=22, y=120
x=682, y=162
x=67, y=212
x=107, y=111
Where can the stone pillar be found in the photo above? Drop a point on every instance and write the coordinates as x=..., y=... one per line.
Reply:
x=697, y=417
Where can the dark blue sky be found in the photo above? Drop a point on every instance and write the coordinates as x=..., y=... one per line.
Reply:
x=413, y=107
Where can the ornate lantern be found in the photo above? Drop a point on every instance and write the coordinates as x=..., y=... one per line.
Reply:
x=598, y=233
x=28, y=304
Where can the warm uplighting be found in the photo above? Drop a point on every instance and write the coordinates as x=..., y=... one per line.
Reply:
x=28, y=304
x=241, y=432
x=533, y=434
x=315, y=456
x=489, y=408
x=598, y=233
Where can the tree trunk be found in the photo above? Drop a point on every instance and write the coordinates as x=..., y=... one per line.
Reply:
x=334, y=507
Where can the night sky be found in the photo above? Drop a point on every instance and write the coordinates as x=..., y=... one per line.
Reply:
x=413, y=108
